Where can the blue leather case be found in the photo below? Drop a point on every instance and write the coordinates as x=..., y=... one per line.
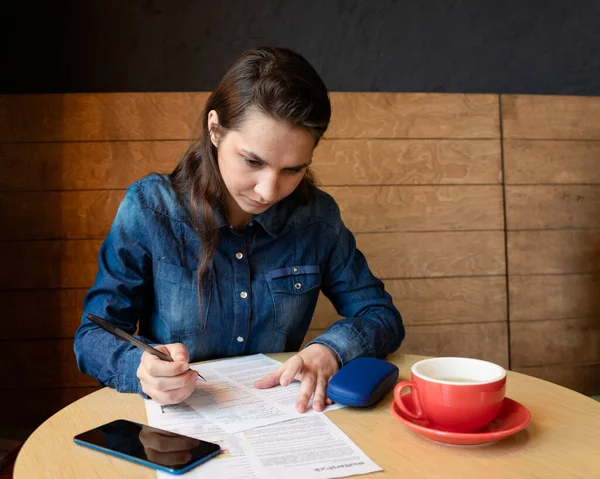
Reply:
x=362, y=382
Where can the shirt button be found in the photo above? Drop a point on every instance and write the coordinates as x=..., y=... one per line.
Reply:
x=295, y=270
x=297, y=286
x=239, y=255
x=244, y=295
x=251, y=223
x=240, y=339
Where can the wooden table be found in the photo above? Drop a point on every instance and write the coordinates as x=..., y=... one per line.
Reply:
x=562, y=440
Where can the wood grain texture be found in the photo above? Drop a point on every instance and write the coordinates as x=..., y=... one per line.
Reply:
x=551, y=117
x=414, y=255
x=89, y=214
x=478, y=340
x=436, y=301
x=42, y=364
x=561, y=441
x=99, y=165
x=535, y=343
x=487, y=341
x=413, y=115
x=553, y=207
x=84, y=165
x=100, y=116
x=31, y=407
x=555, y=296
x=58, y=214
x=409, y=162
x=62, y=311
x=581, y=377
x=419, y=208
x=535, y=162
x=553, y=252
x=48, y=264
x=174, y=116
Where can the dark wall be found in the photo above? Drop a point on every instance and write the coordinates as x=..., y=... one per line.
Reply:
x=499, y=46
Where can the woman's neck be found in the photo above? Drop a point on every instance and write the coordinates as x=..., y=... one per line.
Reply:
x=236, y=216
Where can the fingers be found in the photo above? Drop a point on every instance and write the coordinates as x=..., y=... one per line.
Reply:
x=319, y=401
x=284, y=375
x=307, y=387
x=177, y=351
x=167, y=382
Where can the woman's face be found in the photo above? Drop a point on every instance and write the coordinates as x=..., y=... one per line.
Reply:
x=261, y=162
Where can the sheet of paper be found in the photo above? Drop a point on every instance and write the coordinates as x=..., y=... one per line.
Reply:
x=305, y=448
x=232, y=463
x=311, y=447
x=229, y=399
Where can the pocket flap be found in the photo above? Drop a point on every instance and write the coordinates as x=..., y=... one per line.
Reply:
x=294, y=279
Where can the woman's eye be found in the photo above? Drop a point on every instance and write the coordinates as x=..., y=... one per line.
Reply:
x=252, y=163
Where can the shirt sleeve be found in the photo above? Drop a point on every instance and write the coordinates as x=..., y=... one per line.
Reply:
x=371, y=324
x=121, y=294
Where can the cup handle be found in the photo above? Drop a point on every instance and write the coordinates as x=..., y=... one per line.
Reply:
x=418, y=414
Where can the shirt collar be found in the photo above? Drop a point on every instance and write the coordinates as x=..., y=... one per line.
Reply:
x=273, y=220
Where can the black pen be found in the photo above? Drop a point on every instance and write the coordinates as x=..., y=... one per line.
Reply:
x=128, y=338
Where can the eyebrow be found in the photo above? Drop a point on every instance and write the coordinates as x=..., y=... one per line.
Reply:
x=255, y=157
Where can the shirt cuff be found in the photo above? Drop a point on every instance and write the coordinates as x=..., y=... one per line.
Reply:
x=346, y=348
x=128, y=381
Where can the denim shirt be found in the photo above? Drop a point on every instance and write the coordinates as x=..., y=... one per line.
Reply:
x=260, y=295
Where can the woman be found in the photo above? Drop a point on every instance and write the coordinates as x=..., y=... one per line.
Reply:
x=227, y=255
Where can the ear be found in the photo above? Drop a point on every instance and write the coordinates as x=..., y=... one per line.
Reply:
x=213, y=127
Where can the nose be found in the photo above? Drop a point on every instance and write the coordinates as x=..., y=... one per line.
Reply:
x=267, y=188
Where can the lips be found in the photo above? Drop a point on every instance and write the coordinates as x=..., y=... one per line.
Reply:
x=257, y=203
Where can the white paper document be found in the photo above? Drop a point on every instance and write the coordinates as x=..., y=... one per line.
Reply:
x=311, y=447
x=229, y=399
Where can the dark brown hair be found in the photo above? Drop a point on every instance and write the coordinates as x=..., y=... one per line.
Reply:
x=276, y=82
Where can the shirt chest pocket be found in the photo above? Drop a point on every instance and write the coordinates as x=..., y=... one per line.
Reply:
x=177, y=300
x=295, y=290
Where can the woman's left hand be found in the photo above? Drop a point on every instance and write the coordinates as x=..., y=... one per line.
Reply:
x=313, y=366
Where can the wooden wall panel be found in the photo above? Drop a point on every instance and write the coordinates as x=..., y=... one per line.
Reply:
x=552, y=171
x=89, y=214
x=419, y=208
x=48, y=264
x=84, y=165
x=553, y=207
x=481, y=340
x=421, y=301
x=42, y=364
x=100, y=116
x=554, y=296
x=583, y=377
x=551, y=162
x=73, y=263
x=436, y=301
x=551, y=117
x=553, y=251
x=99, y=165
x=42, y=313
x=58, y=214
x=29, y=409
x=413, y=115
x=407, y=162
x=556, y=341
x=175, y=116
x=418, y=255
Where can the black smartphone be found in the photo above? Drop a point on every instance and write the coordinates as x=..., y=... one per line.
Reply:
x=149, y=446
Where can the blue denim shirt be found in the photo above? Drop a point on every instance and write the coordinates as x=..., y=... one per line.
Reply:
x=260, y=297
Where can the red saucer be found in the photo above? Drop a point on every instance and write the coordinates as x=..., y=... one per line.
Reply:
x=512, y=418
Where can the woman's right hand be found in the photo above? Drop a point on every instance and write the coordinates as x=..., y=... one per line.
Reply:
x=166, y=382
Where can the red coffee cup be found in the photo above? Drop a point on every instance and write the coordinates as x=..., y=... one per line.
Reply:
x=454, y=394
